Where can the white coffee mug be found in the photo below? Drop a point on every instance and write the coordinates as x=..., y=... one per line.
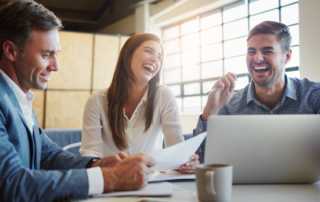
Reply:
x=214, y=182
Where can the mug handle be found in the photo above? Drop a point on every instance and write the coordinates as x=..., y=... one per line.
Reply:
x=210, y=182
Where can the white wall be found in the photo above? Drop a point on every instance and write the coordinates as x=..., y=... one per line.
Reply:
x=309, y=16
x=142, y=19
x=188, y=122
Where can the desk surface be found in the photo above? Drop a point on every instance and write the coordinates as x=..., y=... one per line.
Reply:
x=187, y=191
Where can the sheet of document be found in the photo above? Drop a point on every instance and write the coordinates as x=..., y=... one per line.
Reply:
x=165, y=175
x=157, y=189
x=174, y=156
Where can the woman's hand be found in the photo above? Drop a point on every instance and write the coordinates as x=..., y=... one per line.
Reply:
x=190, y=166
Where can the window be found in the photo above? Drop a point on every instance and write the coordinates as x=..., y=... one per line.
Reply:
x=202, y=49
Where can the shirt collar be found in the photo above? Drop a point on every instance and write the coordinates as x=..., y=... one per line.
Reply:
x=251, y=95
x=20, y=95
x=143, y=99
x=290, y=91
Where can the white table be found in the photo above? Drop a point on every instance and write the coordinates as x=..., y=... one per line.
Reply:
x=187, y=191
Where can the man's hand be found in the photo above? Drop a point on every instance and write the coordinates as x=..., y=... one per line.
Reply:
x=221, y=96
x=190, y=166
x=129, y=174
x=110, y=161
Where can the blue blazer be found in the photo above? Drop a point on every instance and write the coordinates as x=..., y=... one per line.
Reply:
x=32, y=167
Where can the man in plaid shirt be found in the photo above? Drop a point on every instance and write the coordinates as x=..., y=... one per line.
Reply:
x=271, y=91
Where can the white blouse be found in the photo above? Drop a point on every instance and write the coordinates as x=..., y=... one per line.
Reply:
x=97, y=137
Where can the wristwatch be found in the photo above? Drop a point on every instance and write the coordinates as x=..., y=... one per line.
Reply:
x=89, y=164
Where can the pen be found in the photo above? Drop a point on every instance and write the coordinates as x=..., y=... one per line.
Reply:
x=212, y=90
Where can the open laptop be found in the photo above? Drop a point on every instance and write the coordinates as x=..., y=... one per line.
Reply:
x=266, y=148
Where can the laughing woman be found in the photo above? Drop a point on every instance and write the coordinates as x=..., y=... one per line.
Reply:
x=134, y=113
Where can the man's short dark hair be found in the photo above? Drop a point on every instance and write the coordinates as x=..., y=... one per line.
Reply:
x=18, y=18
x=270, y=27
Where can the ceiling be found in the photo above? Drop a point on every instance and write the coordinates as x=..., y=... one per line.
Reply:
x=90, y=15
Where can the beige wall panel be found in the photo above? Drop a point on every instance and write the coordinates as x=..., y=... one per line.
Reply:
x=64, y=109
x=75, y=61
x=38, y=105
x=106, y=52
x=123, y=39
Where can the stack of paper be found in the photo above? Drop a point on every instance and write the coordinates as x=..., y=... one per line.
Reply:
x=158, y=189
x=167, y=159
x=165, y=175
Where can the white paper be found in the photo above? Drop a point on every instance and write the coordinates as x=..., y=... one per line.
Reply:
x=175, y=156
x=157, y=189
x=165, y=175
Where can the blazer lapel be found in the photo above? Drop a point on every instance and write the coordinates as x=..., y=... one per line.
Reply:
x=15, y=103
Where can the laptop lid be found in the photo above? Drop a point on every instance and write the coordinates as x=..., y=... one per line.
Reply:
x=266, y=148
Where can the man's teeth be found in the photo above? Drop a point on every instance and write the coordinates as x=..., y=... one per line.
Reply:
x=47, y=77
x=260, y=68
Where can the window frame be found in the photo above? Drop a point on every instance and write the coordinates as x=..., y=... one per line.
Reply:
x=198, y=17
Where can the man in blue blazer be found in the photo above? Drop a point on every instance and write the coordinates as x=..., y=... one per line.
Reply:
x=32, y=168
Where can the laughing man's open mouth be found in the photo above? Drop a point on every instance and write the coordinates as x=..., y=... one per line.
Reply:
x=261, y=68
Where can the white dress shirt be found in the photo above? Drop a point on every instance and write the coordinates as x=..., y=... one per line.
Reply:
x=97, y=137
x=95, y=176
x=24, y=99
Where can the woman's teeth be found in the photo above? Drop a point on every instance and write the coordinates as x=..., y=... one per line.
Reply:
x=149, y=68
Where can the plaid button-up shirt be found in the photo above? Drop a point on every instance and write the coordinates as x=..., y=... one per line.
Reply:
x=300, y=97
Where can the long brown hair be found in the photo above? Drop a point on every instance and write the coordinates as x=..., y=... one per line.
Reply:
x=118, y=90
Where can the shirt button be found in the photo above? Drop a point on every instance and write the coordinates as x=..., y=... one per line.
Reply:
x=200, y=129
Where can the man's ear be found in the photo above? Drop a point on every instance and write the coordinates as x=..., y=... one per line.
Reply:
x=288, y=56
x=10, y=50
